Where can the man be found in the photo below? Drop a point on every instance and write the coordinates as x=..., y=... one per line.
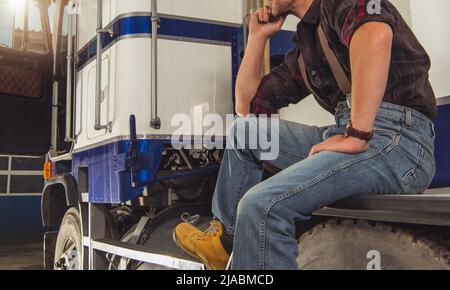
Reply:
x=382, y=145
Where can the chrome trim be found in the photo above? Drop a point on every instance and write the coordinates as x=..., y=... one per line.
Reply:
x=115, y=139
x=90, y=247
x=67, y=156
x=85, y=241
x=437, y=191
x=54, y=129
x=176, y=17
x=8, y=181
x=443, y=101
x=155, y=121
x=98, y=82
x=200, y=20
x=69, y=89
x=195, y=40
x=129, y=14
x=162, y=137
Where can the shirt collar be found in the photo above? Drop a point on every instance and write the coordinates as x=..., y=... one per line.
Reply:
x=313, y=13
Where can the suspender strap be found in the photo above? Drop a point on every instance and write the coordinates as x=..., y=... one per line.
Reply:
x=338, y=72
x=336, y=67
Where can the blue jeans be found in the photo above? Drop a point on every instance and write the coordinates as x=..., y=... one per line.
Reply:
x=262, y=215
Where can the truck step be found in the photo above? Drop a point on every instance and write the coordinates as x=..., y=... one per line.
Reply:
x=145, y=255
x=161, y=239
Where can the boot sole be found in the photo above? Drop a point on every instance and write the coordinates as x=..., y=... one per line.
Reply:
x=189, y=253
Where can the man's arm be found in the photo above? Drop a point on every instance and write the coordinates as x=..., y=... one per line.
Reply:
x=370, y=57
x=249, y=76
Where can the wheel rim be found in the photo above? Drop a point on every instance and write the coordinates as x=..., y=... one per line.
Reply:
x=69, y=257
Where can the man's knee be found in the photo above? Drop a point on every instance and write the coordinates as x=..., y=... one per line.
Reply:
x=253, y=203
x=243, y=133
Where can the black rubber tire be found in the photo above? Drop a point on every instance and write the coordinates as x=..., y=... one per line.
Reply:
x=345, y=244
x=69, y=231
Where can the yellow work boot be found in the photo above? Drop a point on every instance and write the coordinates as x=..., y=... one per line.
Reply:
x=204, y=246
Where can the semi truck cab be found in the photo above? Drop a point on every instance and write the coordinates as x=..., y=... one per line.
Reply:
x=95, y=89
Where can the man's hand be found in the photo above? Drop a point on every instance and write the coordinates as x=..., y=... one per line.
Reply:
x=340, y=143
x=261, y=24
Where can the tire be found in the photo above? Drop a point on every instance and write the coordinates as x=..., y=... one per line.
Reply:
x=360, y=245
x=68, y=250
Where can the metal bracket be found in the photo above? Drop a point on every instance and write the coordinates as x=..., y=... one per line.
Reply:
x=108, y=30
x=156, y=19
x=133, y=161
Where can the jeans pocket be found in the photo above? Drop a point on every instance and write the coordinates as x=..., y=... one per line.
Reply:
x=420, y=176
x=385, y=140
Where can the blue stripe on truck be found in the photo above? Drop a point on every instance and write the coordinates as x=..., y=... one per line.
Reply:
x=169, y=27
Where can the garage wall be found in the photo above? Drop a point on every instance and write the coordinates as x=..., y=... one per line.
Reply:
x=21, y=184
x=431, y=23
x=20, y=218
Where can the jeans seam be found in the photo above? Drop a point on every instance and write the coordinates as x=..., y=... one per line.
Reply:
x=291, y=192
x=291, y=155
x=395, y=143
x=238, y=198
x=413, y=171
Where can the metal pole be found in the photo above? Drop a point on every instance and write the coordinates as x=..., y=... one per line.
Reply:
x=98, y=82
x=69, y=137
x=155, y=120
x=55, y=109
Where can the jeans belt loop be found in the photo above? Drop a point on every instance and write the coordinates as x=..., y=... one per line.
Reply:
x=408, y=118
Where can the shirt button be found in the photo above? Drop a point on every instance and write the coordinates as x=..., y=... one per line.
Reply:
x=313, y=73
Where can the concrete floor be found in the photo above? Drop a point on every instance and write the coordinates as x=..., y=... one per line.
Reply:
x=21, y=256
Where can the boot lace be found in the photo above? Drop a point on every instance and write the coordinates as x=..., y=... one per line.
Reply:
x=213, y=230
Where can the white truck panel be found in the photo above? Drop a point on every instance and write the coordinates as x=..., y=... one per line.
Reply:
x=192, y=76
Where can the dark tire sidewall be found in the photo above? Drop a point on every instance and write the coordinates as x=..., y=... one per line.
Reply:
x=346, y=244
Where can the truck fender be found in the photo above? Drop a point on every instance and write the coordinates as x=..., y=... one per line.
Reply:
x=59, y=194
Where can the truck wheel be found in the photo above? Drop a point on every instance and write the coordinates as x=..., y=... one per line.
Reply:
x=361, y=245
x=68, y=250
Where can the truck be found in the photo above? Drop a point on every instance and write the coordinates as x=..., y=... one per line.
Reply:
x=95, y=84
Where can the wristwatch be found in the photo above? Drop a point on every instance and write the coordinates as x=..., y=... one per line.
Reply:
x=352, y=132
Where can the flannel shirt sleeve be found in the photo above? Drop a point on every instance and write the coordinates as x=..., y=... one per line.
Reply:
x=280, y=88
x=346, y=16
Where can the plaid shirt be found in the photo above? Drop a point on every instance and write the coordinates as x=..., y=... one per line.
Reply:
x=408, y=82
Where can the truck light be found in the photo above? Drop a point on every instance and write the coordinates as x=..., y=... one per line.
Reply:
x=48, y=170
